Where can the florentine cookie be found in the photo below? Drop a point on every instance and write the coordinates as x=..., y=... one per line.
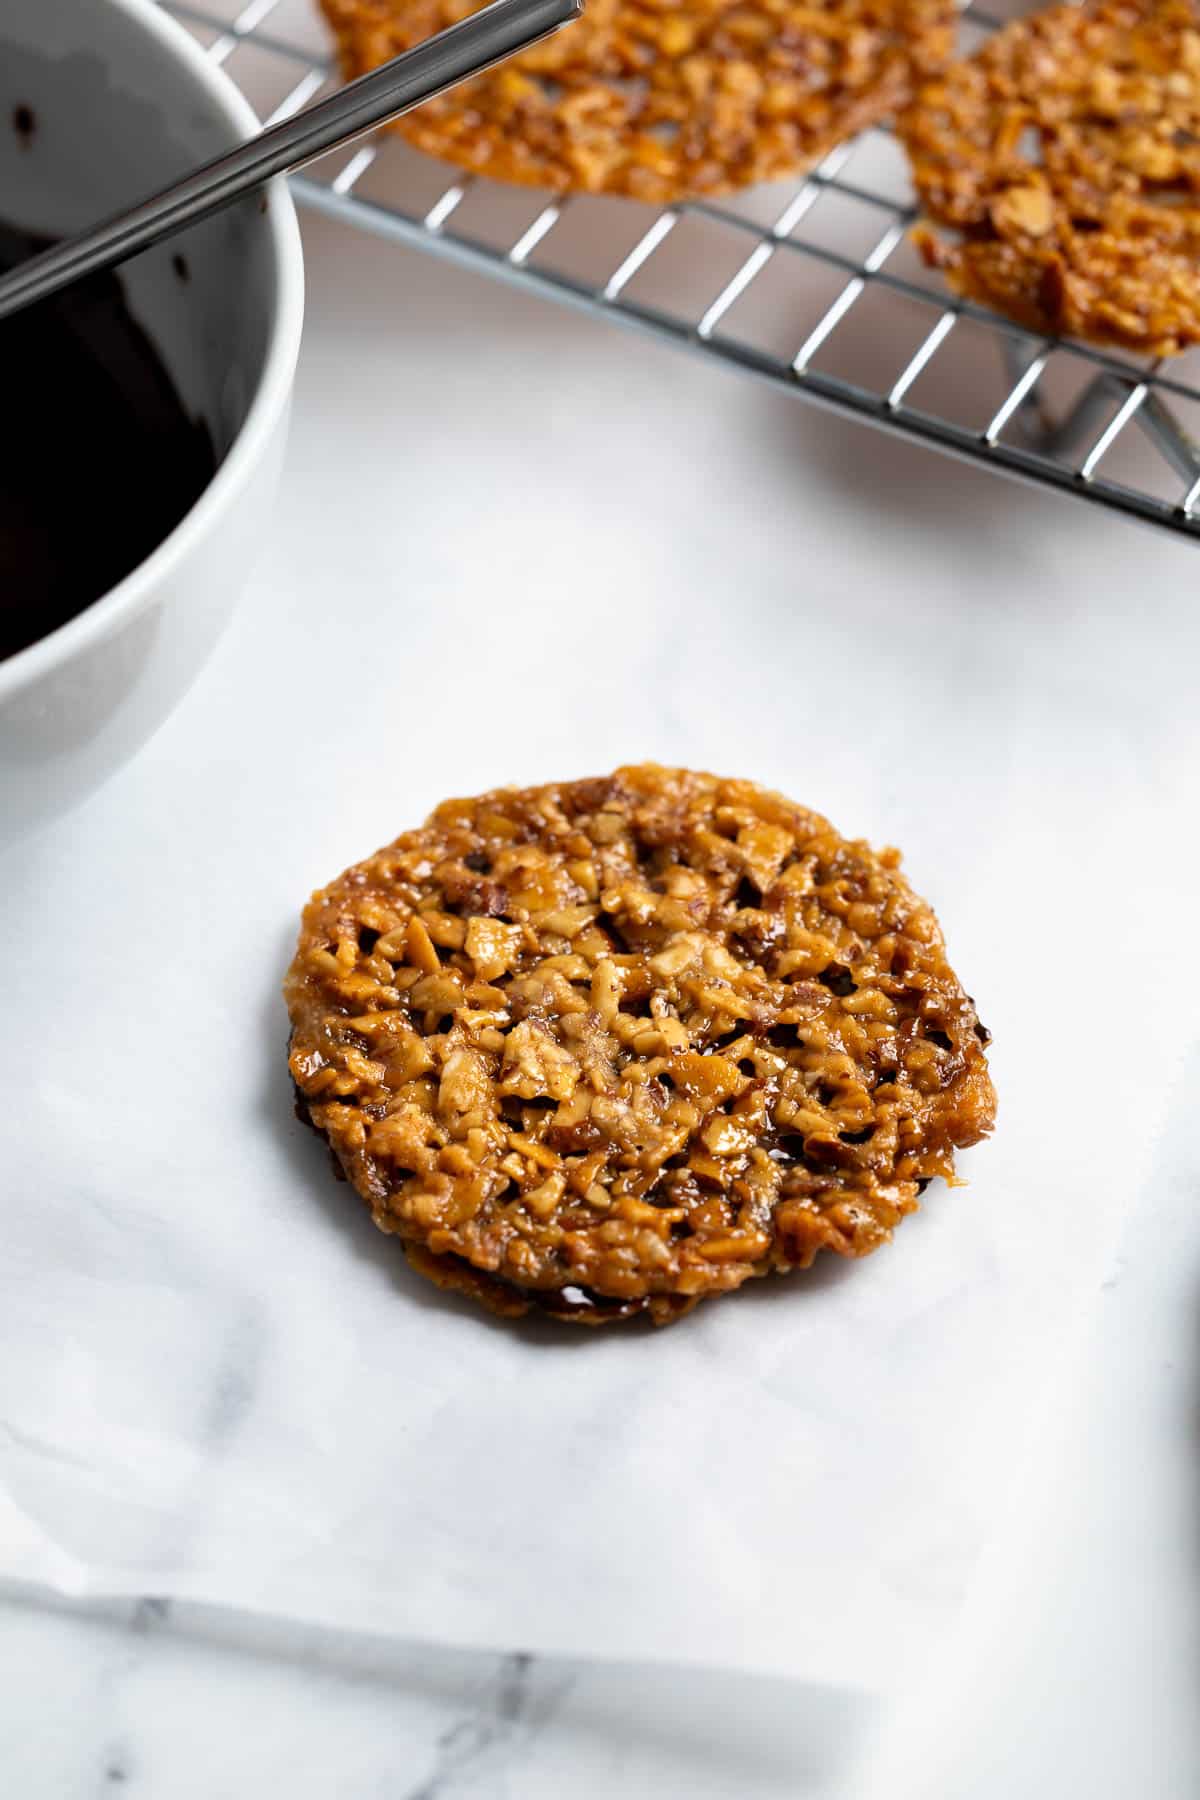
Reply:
x=660, y=99
x=1067, y=155
x=605, y=1047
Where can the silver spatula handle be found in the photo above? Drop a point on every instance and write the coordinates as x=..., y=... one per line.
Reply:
x=439, y=63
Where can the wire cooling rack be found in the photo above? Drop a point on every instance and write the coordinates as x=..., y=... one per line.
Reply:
x=813, y=285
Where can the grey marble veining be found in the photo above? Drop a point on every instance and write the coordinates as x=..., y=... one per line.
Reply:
x=150, y=1699
x=512, y=1706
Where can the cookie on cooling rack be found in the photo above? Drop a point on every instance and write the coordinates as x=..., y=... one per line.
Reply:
x=661, y=99
x=605, y=1047
x=1065, y=158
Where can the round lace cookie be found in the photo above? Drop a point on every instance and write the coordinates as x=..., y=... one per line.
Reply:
x=606, y=1047
x=1067, y=155
x=660, y=99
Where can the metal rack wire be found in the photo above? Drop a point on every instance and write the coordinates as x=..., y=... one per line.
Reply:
x=813, y=285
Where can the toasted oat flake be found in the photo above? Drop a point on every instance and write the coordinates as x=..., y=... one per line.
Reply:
x=688, y=1035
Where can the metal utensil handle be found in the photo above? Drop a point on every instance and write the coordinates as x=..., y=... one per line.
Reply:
x=463, y=50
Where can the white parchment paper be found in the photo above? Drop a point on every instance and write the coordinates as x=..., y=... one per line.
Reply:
x=217, y=1380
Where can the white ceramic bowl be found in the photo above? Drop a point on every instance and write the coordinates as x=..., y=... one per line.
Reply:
x=121, y=100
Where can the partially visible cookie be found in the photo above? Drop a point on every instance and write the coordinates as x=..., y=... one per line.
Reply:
x=661, y=99
x=605, y=1047
x=1065, y=157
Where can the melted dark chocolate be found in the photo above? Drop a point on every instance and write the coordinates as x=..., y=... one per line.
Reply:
x=98, y=459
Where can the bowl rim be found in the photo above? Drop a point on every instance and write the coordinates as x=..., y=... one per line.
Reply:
x=137, y=589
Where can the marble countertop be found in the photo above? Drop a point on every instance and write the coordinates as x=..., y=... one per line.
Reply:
x=1074, y=1666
